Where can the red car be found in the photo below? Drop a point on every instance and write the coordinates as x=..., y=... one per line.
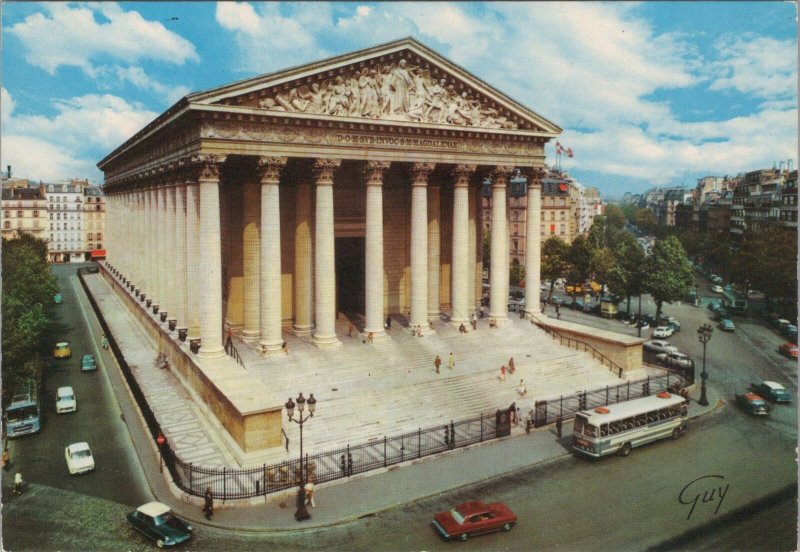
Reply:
x=474, y=518
x=789, y=350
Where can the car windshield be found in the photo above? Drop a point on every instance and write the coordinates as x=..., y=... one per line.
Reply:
x=62, y=346
x=66, y=398
x=168, y=519
x=457, y=516
x=81, y=454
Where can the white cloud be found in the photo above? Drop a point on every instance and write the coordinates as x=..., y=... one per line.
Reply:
x=66, y=144
x=140, y=79
x=761, y=66
x=72, y=36
x=6, y=106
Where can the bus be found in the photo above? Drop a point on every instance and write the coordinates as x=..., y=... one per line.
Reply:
x=617, y=428
x=22, y=414
x=734, y=303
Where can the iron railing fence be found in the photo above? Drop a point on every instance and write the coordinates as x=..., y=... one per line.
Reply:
x=579, y=345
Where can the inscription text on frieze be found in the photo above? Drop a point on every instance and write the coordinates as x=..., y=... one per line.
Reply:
x=366, y=139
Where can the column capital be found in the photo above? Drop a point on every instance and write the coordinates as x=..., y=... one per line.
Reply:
x=270, y=168
x=323, y=170
x=374, y=171
x=501, y=174
x=420, y=173
x=535, y=176
x=462, y=175
x=207, y=165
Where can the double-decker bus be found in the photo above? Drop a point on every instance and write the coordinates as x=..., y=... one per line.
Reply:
x=22, y=414
x=617, y=428
x=734, y=303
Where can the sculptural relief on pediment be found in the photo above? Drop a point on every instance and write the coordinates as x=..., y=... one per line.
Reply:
x=395, y=91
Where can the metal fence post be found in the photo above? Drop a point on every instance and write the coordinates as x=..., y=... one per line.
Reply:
x=419, y=442
x=224, y=484
x=264, y=478
x=191, y=473
x=606, y=394
x=629, y=391
x=560, y=406
x=384, y=451
x=481, y=427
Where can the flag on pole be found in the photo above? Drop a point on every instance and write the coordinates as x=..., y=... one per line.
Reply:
x=559, y=149
x=569, y=152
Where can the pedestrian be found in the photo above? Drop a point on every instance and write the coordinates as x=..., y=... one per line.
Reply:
x=521, y=389
x=462, y=328
x=349, y=463
x=388, y=322
x=502, y=373
x=451, y=362
x=343, y=465
x=104, y=342
x=369, y=337
x=558, y=312
x=528, y=424
x=511, y=367
x=437, y=362
x=208, y=503
x=483, y=311
x=512, y=413
x=6, y=459
x=228, y=335
x=309, y=488
x=558, y=426
x=474, y=321
x=18, y=483
x=350, y=330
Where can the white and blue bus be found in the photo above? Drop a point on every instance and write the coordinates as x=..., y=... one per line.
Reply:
x=22, y=416
x=617, y=428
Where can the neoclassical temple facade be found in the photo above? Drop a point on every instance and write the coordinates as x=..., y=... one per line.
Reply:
x=346, y=185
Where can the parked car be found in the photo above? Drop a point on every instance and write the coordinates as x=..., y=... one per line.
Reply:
x=675, y=360
x=727, y=325
x=88, y=363
x=474, y=518
x=65, y=400
x=752, y=404
x=714, y=305
x=716, y=279
x=721, y=314
x=717, y=289
x=772, y=391
x=62, y=350
x=790, y=331
x=576, y=305
x=659, y=346
x=788, y=349
x=79, y=458
x=673, y=323
x=57, y=299
x=663, y=331
x=155, y=521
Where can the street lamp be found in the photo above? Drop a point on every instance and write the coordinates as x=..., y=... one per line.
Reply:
x=302, y=512
x=704, y=335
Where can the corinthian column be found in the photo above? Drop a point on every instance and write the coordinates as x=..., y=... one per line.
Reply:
x=419, y=245
x=533, y=245
x=162, y=257
x=149, y=286
x=170, y=278
x=460, y=255
x=251, y=261
x=434, y=251
x=193, y=270
x=373, y=255
x=270, y=169
x=498, y=276
x=180, y=254
x=325, y=255
x=210, y=258
x=303, y=262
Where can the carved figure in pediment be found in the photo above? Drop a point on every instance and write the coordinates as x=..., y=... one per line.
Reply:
x=438, y=97
x=269, y=103
x=354, y=94
x=283, y=102
x=338, y=98
x=370, y=100
x=458, y=112
x=400, y=84
x=385, y=87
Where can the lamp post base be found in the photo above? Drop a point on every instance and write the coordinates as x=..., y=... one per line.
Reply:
x=302, y=512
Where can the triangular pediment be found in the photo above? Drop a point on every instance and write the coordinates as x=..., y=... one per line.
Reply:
x=400, y=81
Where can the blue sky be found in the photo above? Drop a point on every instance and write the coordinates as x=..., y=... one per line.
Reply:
x=651, y=93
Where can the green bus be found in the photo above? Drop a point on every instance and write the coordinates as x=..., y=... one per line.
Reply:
x=734, y=303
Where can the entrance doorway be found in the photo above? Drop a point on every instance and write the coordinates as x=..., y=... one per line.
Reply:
x=350, y=275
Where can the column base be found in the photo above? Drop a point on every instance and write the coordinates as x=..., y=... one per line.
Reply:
x=326, y=341
x=424, y=329
x=433, y=316
x=250, y=337
x=270, y=347
x=303, y=331
x=211, y=353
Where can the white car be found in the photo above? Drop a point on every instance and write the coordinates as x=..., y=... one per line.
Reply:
x=663, y=331
x=659, y=346
x=678, y=360
x=79, y=458
x=65, y=400
x=717, y=289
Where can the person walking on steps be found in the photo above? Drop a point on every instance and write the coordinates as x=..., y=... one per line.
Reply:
x=208, y=505
x=437, y=362
x=451, y=362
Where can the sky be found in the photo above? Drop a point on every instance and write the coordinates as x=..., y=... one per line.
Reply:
x=648, y=94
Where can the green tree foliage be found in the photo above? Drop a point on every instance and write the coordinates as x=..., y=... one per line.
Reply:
x=767, y=261
x=28, y=289
x=615, y=218
x=626, y=277
x=630, y=211
x=646, y=220
x=669, y=276
x=554, y=260
x=487, y=249
x=602, y=262
x=579, y=257
x=516, y=274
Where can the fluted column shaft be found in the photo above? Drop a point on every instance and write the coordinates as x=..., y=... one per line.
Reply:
x=251, y=260
x=303, y=262
x=499, y=274
x=152, y=284
x=434, y=252
x=325, y=256
x=161, y=241
x=420, y=173
x=473, y=232
x=193, y=271
x=180, y=255
x=533, y=246
x=373, y=254
x=270, y=170
x=460, y=255
x=210, y=260
x=170, y=231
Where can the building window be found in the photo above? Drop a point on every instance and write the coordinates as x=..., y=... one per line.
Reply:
x=99, y=246
x=91, y=236
x=7, y=224
x=8, y=214
x=36, y=213
x=99, y=236
x=563, y=230
x=19, y=214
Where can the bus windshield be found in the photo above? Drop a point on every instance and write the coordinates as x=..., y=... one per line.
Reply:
x=21, y=413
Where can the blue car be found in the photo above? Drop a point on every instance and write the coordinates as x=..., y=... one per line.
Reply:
x=88, y=363
x=726, y=324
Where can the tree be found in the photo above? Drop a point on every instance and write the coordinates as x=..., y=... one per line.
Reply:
x=487, y=249
x=646, y=220
x=767, y=261
x=602, y=263
x=626, y=277
x=669, y=276
x=554, y=261
x=516, y=273
x=579, y=257
x=615, y=218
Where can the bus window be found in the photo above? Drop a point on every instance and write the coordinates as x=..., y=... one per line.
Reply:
x=590, y=430
x=604, y=430
x=614, y=428
x=578, y=427
x=641, y=419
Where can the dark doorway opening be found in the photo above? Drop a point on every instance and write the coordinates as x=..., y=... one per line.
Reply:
x=350, y=275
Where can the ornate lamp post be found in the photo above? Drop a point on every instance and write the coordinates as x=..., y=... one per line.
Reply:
x=704, y=335
x=302, y=512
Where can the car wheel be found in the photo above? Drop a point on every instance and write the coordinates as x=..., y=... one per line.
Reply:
x=675, y=434
x=508, y=526
x=625, y=450
x=160, y=543
x=463, y=536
